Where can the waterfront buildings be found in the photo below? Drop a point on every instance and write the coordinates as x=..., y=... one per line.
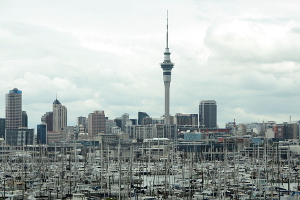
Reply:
x=192, y=136
x=186, y=119
x=149, y=131
x=208, y=113
x=19, y=136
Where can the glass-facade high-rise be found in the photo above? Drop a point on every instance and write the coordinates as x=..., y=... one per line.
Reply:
x=208, y=114
x=41, y=134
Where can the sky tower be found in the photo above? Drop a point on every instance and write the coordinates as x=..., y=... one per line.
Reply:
x=167, y=66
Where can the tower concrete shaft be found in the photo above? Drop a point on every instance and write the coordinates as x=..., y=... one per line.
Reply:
x=167, y=66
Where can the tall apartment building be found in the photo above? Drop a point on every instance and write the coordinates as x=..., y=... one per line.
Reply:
x=13, y=109
x=96, y=123
x=59, y=116
x=208, y=114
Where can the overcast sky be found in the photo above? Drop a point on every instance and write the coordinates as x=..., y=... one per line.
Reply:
x=106, y=55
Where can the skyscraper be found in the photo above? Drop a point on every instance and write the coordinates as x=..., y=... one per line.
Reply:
x=167, y=66
x=13, y=109
x=42, y=133
x=59, y=116
x=96, y=123
x=208, y=113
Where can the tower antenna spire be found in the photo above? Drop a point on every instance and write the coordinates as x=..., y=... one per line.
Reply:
x=167, y=29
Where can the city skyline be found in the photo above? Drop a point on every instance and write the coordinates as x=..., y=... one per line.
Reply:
x=97, y=55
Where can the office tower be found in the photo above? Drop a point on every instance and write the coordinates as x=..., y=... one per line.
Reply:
x=2, y=127
x=13, y=109
x=208, y=114
x=186, y=119
x=96, y=123
x=41, y=133
x=141, y=116
x=59, y=116
x=48, y=119
x=19, y=136
x=167, y=66
x=24, y=119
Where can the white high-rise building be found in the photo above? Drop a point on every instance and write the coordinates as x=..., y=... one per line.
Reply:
x=59, y=116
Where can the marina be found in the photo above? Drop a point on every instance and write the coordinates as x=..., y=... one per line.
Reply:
x=94, y=173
